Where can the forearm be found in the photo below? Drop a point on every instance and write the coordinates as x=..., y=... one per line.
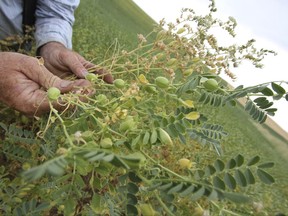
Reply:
x=53, y=29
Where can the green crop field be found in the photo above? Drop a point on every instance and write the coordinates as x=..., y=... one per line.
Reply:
x=148, y=144
x=102, y=24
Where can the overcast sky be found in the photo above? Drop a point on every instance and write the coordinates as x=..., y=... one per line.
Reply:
x=263, y=20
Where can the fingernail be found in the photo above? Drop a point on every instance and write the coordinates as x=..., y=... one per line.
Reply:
x=65, y=83
x=84, y=72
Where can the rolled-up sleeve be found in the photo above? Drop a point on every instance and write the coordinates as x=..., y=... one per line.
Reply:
x=54, y=21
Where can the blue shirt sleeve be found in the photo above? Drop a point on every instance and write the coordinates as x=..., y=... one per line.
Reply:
x=54, y=21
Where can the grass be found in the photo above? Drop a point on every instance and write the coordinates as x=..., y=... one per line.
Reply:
x=99, y=24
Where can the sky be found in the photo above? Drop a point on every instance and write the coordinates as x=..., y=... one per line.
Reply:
x=263, y=20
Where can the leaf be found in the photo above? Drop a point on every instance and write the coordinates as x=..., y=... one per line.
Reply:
x=168, y=198
x=198, y=194
x=272, y=110
x=135, y=141
x=146, y=138
x=154, y=136
x=108, y=158
x=239, y=160
x=155, y=186
x=271, y=113
x=175, y=189
x=95, y=156
x=253, y=161
x=266, y=105
x=118, y=162
x=260, y=100
x=208, y=99
x=266, y=165
x=218, y=183
x=209, y=170
x=180, y=128
x=165, y=186
x=232, y=103
x=96, y=203
x=239, y=87
x=230, y=181
x=132, y=188
x=131, y=210
x=134, y=178
x=267, y=92
x=237, y=198
x=187, y=191
x=172, y=130
x=278, y=89
x=240, y=178
x=54, y=169
x=231, y=164
x=277, y=97
x=249, y=176
x=219, y=165
x=42, y=206
x=131, y=199
x=248, y=105
x=193, y=115
x=213, y=195
x=70, y=204
x=203, y=97
x=263, y=118
x=3, y=126
x=265, y=177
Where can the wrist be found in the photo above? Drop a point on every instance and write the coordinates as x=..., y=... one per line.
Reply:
x=48, y=47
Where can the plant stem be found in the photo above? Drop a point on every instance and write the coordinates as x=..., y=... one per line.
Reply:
x=225, y=210
x=163, y=205
x=162, y=167
x=63, y=125
x=115, y=132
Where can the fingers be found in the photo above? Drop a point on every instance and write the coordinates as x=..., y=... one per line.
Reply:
x=37, y=72
x=24, y=86
x=40, y=75
x=105, y=75
x=74, y=63
x=40, y=104
x=79, y=66
x=61, y=61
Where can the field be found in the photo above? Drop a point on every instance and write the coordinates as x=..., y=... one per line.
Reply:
x=104, y=158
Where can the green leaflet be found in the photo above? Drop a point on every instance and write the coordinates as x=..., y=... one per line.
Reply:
x=237, y=198
x=265, y=177
x=278, y=89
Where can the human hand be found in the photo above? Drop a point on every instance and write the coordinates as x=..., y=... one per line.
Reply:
x=64, y=62
x=22, y=79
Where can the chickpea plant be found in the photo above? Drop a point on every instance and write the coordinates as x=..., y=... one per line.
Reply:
x=131, y=148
